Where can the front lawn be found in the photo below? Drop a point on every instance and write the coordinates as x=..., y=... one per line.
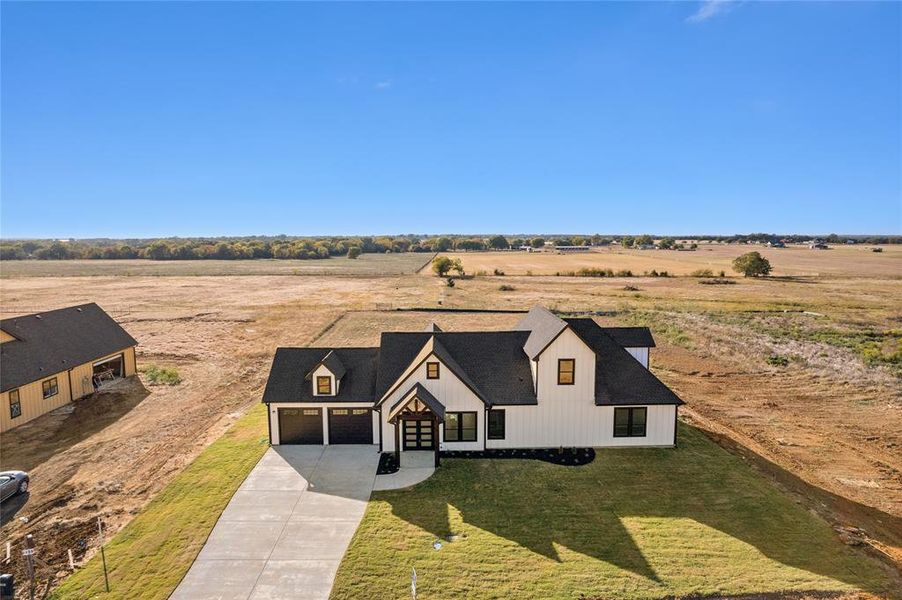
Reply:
x=149, y=557
x=636, y=523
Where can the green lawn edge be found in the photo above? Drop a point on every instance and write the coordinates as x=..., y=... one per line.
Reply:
x=149, y=557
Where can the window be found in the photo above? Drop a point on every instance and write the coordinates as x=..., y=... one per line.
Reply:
x=50, y=388
x=432, y=370
x=496, y=424
x=311, y=412
x=15, y=406
x=629, y=422
x=460, y=427
x=339, y=411
x=360, y=411
x=565, y=369
x=324, y=385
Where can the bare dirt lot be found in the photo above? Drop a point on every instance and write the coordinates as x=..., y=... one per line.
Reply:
x=826, y=426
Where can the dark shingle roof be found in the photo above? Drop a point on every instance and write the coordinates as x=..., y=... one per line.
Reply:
x=331, y=362
x=437, y=408
x=55, y=341
x=287, y=376
x=543, y=326
x=620, y=378
x=492, y=361
x=631, y=337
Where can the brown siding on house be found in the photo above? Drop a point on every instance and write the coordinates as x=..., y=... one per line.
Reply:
x=31, y=395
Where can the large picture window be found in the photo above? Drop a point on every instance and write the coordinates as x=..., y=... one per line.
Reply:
x=50, y=388
x=566, y=368
x=629, y=422
x=496, y=424
x=460, y=426
x=324, y=385
x=15, y=405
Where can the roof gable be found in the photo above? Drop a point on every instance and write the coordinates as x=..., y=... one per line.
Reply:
x=620, y=378
x=288, y=382
x=55, y=341
x=332, y=363
x=543, y=327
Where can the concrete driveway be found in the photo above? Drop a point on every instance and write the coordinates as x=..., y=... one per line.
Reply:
x=287, y=527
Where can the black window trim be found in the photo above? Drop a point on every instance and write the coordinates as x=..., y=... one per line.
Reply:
x=572, y=381
x=460, y=426
x=55, y=386
x=17, y=403
x=438, y=369
x=629, y=421
x=327, y=378
x=495, y=436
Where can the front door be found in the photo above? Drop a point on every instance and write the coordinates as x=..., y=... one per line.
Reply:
x=418, y=435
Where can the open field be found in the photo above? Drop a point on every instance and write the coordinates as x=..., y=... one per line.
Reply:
x=846, y=261
x=826, y=428
x=366, y=264
x=634, y=523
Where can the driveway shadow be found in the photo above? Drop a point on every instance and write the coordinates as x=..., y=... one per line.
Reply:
x=11, y=506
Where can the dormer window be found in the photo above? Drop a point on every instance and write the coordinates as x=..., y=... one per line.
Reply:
x=324, y=385
x=432, y=370
x=566, y=368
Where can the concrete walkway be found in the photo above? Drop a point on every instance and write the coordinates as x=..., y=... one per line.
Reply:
x=416, y=466
x=287, y=527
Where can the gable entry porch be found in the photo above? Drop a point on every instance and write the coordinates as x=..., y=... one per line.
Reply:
x=416, y=417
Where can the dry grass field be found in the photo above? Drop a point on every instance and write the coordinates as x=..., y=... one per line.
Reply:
x=839, y=260
x=825, y=427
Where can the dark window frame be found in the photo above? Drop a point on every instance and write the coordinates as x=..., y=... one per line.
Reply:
x=494, y=435
x=13, y=414
x=460, y=426
x=429, y=366
x=50, y=384
x=560, y=363
x=319, y=391
x=631, y=410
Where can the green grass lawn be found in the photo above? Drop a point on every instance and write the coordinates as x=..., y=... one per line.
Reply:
x=149, y=557
x=636, y=523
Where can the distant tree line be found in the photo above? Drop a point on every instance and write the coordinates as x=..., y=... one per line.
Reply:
x=285, y=247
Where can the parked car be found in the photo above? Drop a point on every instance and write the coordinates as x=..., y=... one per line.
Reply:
x=12, y=483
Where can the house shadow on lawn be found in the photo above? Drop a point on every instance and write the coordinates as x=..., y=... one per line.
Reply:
x=33, y=443
x=597, y=509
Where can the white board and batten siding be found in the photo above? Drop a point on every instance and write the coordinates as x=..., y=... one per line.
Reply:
x=566, y=415
x=450, y=391
x=324, y=410
x=640, y=354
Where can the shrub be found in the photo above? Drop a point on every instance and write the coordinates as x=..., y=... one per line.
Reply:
x=499, y=273
x=717, y=281
x=702, y=273
x=449, y=282
x=354, y=252
x=506, y=288
x=630, y=288
x=162, y=375
x=777, y=360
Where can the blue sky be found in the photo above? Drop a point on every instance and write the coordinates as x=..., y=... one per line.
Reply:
x=149, y=119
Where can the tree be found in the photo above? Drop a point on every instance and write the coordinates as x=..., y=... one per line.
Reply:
x=353, y=251
x=457, y=266
x=666, y=244
x=751, y=264
x=441, y=265
x=499, y=242
x=627, y=241
x=644, y=240
x=537, y=242
x=442, y=244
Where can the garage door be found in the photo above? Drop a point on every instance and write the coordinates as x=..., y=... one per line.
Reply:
x=350, y=426
x=300, y=426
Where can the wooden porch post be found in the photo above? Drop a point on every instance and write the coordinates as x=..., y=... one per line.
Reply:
x=397, y=441
x=435, y=438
